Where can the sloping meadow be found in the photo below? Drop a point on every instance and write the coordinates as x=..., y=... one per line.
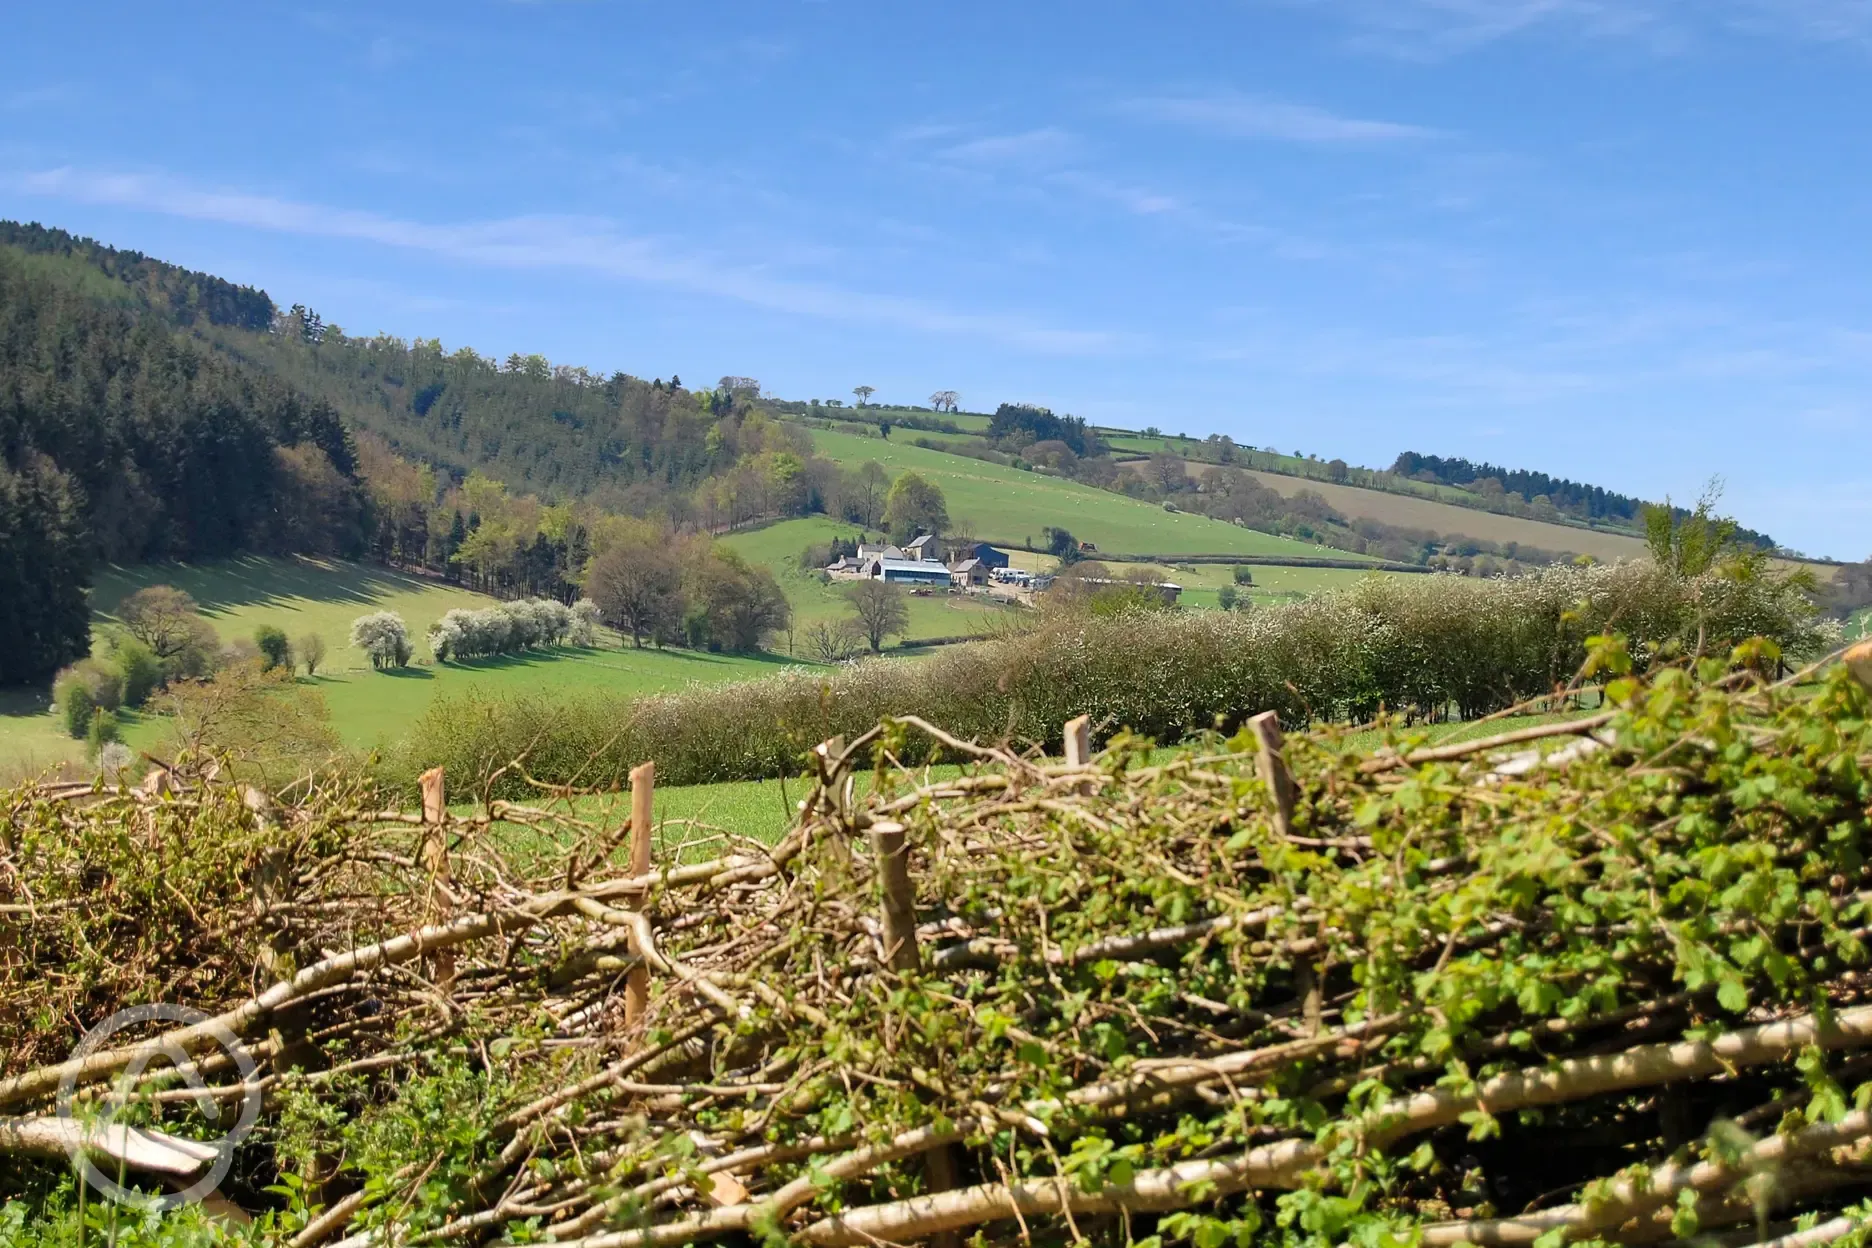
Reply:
x=1423, y=646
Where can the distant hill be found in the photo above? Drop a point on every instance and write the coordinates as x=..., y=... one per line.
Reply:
x=561, y=432
x=249, y=389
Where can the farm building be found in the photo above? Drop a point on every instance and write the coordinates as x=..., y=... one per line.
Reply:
x=907, y=571
x=868, y=551
x=989, y=556
x=922, y=548
x=968, y=572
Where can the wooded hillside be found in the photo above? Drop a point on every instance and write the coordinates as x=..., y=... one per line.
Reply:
x=126, y=440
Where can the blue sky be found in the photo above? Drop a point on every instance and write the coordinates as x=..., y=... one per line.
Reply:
x=1620, y=240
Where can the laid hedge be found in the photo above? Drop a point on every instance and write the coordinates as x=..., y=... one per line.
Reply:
x=1609, y=990
x=1423, y=645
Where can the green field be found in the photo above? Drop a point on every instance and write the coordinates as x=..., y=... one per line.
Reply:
x=300, y=595
x=1272, y=583
x=1407, y=511
x=1009, y=505
x=693, y=819
x=367, y=707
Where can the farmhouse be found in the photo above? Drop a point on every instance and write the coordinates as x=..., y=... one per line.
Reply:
x=922, y=548
x=968, y=572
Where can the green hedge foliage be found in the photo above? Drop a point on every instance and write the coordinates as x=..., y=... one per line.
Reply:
x=1422, y=645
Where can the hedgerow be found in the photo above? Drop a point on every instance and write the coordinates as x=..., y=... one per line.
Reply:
x=1420, y=646
x=1608, y=993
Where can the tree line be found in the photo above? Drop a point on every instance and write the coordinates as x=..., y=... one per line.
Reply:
x=1570, y=498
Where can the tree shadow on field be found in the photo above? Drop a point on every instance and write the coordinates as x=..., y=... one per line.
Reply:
x=224, y=585
x=406, y=673
x=608, y=655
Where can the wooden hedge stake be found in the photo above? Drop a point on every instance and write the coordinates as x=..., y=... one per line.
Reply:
x=1079, y=741
x=1271, y=763
x=435, y=861
x=831, y=750
x=1858, y=661
x=888, y=842
x=643, y=793
x=1272, y=766
x=893, y=862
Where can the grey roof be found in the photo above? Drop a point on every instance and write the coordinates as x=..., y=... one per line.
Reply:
x=965, y=565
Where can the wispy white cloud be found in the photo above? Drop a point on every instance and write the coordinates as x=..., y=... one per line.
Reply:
x=1430, y=28
x=1435, y=28
x=551, y=242
x=1817, y=20
x=1140, y=200
x=1045, y=144
x=1234, y=115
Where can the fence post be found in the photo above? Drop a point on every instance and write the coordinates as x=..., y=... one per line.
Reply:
x=893, y=863
x=1079, y=741
x=830, y=751
x=1858, y=661
x=1271, y=763
x=643, y=792
x=888, y=842
x=435, y=861
x=1273, y=768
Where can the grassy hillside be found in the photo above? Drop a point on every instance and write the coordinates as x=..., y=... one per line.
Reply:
x=1202, y=581
x=300, y=595
x=1132, y=526
x=1006, y=504
x=367, y=707
x=1448, y=519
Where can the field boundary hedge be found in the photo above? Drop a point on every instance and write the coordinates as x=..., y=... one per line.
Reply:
x=1418, y=647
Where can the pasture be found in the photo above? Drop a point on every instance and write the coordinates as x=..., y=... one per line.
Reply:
x=301, y=595
x=1009, y=505
x=1272, y=583
x=1409, y=512
x=368, y=708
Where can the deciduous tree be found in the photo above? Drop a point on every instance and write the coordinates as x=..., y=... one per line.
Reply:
x=914, y=506
x=880, y=610
x=165, y=619
x=275, y=650
x=637, y=582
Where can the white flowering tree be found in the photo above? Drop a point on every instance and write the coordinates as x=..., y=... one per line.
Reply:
x=506, y=628
x=582, y=630
x=384, y=637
